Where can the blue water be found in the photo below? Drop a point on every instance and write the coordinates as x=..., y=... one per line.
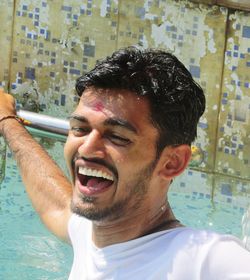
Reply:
x=29, y=251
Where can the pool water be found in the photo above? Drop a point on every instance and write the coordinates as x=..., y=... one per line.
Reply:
x=29, y=251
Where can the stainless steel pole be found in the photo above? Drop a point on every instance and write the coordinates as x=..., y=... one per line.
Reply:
x=45, y=122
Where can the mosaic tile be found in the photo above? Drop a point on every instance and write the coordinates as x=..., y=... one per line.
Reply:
x=232, y=190
x=193, y=182
x=54, y=43
x=226, y=201
x=216, y=187
x=195, y=34
x=6, y=19
x=233, y=149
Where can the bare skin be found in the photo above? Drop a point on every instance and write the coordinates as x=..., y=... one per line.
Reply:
x=46, y=185
x=110, y=132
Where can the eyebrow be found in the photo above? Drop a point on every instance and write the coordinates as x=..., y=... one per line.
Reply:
x=120, y=123
x=78, y=118
x=109, y=122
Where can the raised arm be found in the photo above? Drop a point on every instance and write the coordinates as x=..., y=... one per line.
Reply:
x=49, y=190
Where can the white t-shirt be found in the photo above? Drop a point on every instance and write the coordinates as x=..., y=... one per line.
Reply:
x=175, y=254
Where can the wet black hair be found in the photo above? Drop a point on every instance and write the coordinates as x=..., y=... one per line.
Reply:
x=176, y=100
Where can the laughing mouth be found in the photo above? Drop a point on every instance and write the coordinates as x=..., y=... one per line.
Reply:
x=94, y=173
x=94, y=179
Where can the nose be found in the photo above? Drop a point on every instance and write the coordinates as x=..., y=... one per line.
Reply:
x=92, y=146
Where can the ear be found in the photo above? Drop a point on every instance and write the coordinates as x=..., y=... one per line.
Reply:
x=174, y=160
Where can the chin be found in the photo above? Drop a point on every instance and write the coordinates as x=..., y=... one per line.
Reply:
x=86, y=208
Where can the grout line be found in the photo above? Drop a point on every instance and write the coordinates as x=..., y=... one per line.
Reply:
x=12, y=46
x=232, y=177
x=220, y=97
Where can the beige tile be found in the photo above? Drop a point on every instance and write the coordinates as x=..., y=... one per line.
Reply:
x=233, y=151
x=6, y=19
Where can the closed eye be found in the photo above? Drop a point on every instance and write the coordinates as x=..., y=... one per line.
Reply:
x=79, y=131
x=118, y=140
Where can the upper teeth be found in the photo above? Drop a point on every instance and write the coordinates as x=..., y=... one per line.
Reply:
x=94, y=173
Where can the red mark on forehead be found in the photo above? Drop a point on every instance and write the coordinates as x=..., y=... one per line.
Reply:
x=98, y=106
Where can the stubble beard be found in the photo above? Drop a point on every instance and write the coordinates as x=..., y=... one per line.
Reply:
x=137, y=191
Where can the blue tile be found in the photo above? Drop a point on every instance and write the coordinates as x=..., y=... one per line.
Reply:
x=195, y=71
x=226, y=189
x=89, y=50
x=75, y=72
x=202, y=125
x=234, y=138
x=140, y=12
x=30, y=73
x=246, y=31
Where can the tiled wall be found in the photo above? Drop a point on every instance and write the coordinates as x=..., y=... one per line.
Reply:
x=55, y=41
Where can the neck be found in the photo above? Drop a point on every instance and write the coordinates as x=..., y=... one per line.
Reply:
x=141, y=224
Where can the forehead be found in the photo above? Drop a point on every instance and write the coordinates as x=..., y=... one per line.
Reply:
x=115, y=103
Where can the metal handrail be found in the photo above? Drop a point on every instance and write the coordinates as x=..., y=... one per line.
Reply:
x=45, y=122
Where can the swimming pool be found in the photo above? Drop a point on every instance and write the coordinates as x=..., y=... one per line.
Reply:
x=29, y=251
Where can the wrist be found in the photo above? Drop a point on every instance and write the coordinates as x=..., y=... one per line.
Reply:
x=5, y=119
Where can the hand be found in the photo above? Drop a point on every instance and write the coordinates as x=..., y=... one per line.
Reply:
x=7, y=104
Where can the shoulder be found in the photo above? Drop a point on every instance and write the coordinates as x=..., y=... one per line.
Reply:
x=205, y=239
x=200, y=244
x=219, y=254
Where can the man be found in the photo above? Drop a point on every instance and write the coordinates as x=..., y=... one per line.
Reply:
x=130, y=135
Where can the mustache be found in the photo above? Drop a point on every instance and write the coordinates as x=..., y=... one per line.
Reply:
x=98, y=161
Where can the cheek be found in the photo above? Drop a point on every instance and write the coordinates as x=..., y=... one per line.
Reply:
x=70, y=148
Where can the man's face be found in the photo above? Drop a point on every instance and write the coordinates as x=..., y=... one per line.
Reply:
x=110, y=152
